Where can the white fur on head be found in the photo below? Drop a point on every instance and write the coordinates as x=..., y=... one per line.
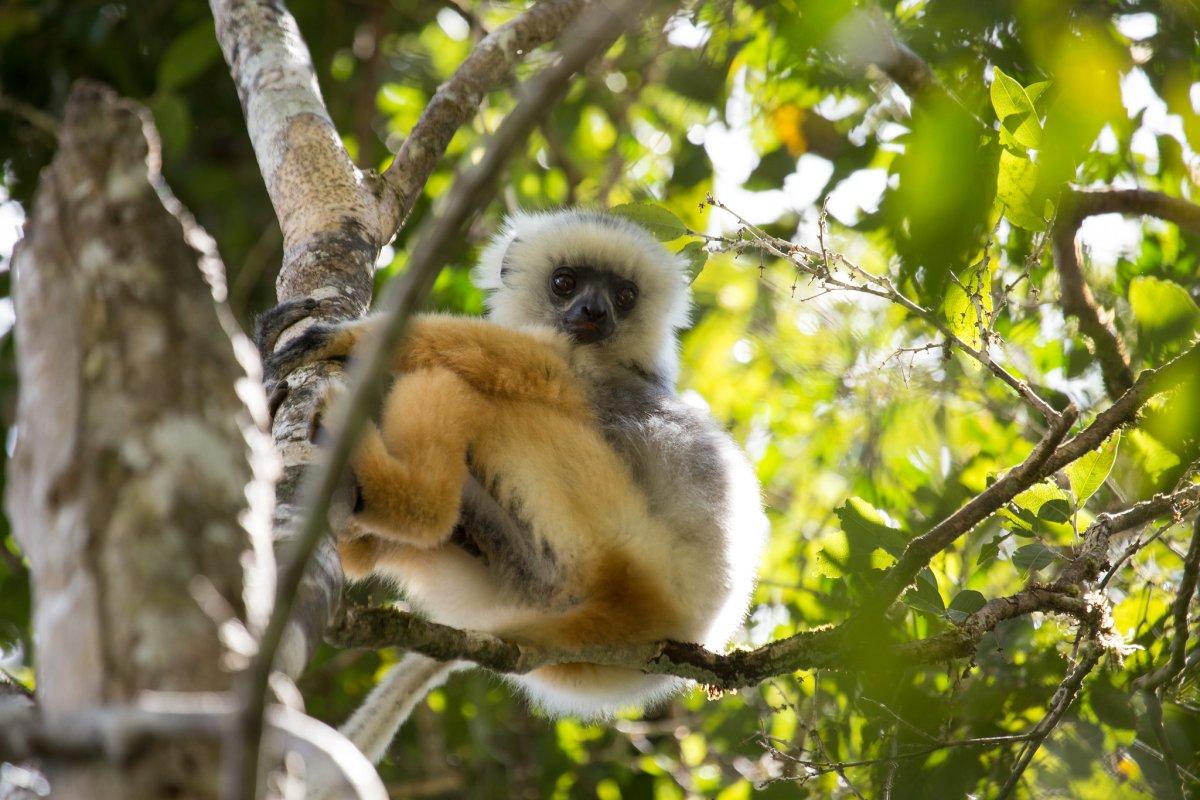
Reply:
x=515, y=271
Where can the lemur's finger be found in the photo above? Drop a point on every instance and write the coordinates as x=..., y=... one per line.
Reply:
x=274, y=321
x=277, y=392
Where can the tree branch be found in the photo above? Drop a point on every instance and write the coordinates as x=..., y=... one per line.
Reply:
x=1063, y=698
x=121, y=735
x=921, y=550
x=821, y=649
x=1078, y=301
x=1125, y=408
x=1076, y=205
x=457, y=100
x=1164, y=675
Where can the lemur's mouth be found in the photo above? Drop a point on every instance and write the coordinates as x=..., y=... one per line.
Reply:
x=583, y=332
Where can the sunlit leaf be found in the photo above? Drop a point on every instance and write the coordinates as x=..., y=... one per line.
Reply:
x=865, y=525
x=1166, y=314
x=968, y=305
x=1089, y=471
x=663, y=224
x=1016, y=183
x=696, y=257
x=1015, y=110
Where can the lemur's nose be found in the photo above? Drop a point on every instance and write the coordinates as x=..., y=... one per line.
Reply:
x=593, y=312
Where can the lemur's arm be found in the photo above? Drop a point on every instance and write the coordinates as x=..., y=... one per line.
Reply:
x=526, y=365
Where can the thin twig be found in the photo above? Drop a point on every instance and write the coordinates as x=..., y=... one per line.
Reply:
x=1063, y=697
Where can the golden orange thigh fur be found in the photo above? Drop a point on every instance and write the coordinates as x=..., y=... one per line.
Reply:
x=410, y=470
x=621, y=604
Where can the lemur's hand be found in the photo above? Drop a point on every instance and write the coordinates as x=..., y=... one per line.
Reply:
x=274, y=321
x=268, y=327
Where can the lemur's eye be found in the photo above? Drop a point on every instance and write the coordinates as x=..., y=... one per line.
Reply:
x=627, y=296
x=562, y=282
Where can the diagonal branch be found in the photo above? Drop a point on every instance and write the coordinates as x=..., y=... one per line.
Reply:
x=1063, y=697
x=590, y=36
x=921, y=550
x=1184, y=595
x=457, y=100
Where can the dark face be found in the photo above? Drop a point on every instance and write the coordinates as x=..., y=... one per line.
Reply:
x=591, y=301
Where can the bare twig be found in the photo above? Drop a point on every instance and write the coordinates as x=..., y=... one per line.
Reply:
x=1062, y=700
x=821, y=265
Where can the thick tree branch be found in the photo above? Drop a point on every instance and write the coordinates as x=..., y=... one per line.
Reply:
x=1125, y=408
x=1090, y=202
x=1078, y=301
x=121, y=735
x=457, y=100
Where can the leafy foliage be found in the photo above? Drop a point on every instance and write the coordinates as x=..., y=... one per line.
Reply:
x=865, y=427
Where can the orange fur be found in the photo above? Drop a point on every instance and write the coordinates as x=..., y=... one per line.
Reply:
x=621, y=605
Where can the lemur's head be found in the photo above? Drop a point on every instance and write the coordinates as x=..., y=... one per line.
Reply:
x=601, y=279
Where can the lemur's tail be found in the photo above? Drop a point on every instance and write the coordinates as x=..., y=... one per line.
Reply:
x=375, y=723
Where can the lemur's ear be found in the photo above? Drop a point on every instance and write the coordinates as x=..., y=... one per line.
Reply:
x=505, y=266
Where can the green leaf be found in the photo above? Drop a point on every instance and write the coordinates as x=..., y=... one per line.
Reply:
x=696, y=257
x=1037, y=94
x=1045, y=501
x=924, y=595
x=1165, y=312
x=1016, y=183
x=988, y=552
x=962, y=313
x=865, y=526
x=188, y=56
x=660, y=222
x=1088, y=473
x=1033, y=557
x=964, y=604
x=1015, y=110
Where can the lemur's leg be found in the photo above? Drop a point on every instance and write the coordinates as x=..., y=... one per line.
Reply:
x=410, y=469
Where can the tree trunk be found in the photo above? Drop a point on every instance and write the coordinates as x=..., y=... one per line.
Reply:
x=141, y=485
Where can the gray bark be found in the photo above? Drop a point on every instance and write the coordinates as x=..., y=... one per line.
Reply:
x=141, y=485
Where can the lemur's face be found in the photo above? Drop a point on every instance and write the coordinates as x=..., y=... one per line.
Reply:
x=590, y=302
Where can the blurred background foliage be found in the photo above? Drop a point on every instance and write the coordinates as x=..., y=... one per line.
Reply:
x=865, y=430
